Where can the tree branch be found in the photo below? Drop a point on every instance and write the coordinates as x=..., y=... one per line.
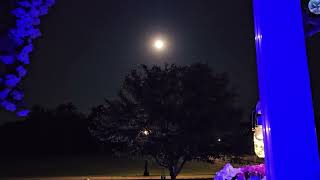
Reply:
x=181, y=166
x=160, y=163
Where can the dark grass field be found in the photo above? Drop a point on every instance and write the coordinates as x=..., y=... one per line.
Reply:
x=100, y=167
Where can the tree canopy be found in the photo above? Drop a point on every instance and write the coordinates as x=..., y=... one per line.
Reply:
x=58, y=131
x=173, y=113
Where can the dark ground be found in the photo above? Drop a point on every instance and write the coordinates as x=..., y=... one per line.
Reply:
x=83, y=166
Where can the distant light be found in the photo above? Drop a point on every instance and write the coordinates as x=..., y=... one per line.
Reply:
x=314, y=6
x=146, y=132
x=219, y=140
x=159, y=44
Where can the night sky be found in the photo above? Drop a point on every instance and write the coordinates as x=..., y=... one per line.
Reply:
x=89, y=46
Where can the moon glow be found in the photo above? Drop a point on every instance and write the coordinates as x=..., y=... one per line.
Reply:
x=159, y=44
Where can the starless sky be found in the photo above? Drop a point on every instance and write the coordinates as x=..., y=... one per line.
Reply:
x=89, y=46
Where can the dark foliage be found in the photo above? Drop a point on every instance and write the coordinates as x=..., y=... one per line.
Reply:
x=59, y=131
x=174, y=114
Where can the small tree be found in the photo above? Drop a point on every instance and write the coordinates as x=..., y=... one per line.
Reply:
x=174, y=114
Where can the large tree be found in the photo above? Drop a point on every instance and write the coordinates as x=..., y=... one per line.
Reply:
x=174, y=114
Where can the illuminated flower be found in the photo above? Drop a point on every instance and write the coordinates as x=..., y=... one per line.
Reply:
x=227, y=173
x=255, y=172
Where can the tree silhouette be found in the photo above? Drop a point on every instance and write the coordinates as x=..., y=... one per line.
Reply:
x=57, y=131
x=174, y=114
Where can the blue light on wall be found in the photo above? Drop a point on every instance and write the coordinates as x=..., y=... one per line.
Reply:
x=288, y=120
x=27, y=14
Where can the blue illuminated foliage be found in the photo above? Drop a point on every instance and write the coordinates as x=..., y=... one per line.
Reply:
x=9, y=106
x=4, y=94
x=23, y=113
x=23, y=56
x=21, y=71
x=27, y=14
x=7, y=59
x=11, y=80
x=17, y=95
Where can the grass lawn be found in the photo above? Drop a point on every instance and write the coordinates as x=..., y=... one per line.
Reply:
x=93, y=166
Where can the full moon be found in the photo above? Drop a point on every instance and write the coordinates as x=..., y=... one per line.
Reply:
x=159, y=44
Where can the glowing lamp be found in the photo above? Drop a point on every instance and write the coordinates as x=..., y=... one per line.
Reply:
x=258, y=141
x=314, y=6
x=145, y=132
x=258, y=132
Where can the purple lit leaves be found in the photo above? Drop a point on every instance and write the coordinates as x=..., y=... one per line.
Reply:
x=27, y=15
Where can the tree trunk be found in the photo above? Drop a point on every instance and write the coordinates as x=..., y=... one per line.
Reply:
x=174, y=170
x=173, y=175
